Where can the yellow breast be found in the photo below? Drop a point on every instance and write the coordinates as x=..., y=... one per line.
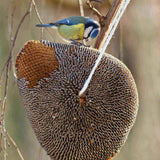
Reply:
x=74, y=32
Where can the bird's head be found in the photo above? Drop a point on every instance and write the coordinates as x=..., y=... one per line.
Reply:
x=92, y=29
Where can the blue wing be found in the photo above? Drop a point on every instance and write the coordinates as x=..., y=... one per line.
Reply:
x=68, y=21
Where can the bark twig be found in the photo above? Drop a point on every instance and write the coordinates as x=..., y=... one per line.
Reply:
x=119, y=7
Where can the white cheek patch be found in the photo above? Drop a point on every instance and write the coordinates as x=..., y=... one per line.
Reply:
x=87, y=31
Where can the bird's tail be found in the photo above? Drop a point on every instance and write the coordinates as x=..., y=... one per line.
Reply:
x=46, y=25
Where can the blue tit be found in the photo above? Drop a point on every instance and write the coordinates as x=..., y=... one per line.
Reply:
x=76, y=28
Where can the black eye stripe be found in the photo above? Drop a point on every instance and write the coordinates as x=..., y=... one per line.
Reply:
x=94, y=27
x=89, y=33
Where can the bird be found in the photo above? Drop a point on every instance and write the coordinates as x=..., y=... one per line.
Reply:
x=75, y=28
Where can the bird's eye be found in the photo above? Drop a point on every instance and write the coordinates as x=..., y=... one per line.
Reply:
x=94, y=33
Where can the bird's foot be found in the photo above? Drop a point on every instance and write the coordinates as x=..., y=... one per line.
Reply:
x=96, y=1
x=78, y=43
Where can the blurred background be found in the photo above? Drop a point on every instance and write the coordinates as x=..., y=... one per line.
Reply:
x=140, y=34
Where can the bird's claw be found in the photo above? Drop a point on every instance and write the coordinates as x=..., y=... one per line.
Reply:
x=78, y=43
x=95, y=1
